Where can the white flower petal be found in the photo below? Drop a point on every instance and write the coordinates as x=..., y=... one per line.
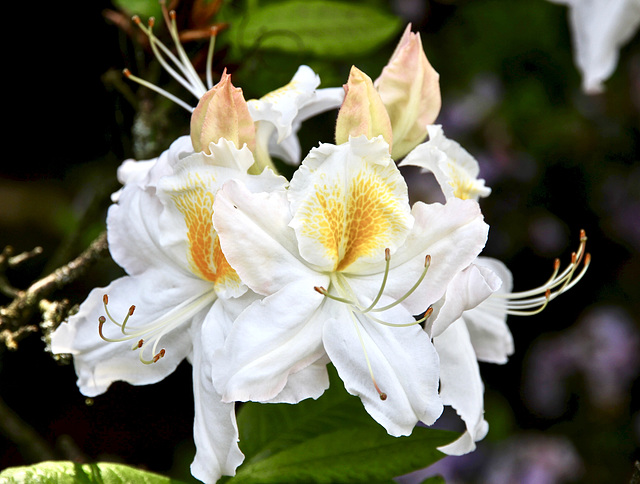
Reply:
x=134, y=232
x=452, y=234
x=600, y=28
x=288, y=149
x=146, y=173
x=487, y=323
x=215, y=431
x=455, y=170
x=461, y=386
x=349, y=204
x=297, y=100
x=310, y=382
x=403, y=361
x=189, y=196
x=256, y=239
x=273, y=338
x=467, y=289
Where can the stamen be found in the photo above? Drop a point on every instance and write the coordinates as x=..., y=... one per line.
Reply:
x=156, y=329
x=346, y=296
x=383, y=395
x=387, y=263
x=212, y=43
x=324, y=292
x=427, y=263
x=355, y=305
x=157, y=89
x=187, y=75
x=537, y=299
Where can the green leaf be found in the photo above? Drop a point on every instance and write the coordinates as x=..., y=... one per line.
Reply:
x=142, y=8
x=331, y=439
x=353, y=454
x=266, y=429
x=63, y=472
x=327, y=29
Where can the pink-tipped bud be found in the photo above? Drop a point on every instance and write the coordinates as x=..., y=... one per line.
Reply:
x=222, y=113
x=362, y=111
x=410, y=90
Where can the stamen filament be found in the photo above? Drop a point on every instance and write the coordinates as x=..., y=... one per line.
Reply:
x=156, y=329
x=157, y=89
x=324, y=292
x=155, y=43
x=387, y=263
x=383, y=396
x=516, y=303
x=402, y=325
x=185, y=74
x=190, y=72
x=427, y=263
x=212, y=43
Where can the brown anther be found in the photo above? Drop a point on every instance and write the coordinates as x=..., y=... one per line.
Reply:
x=136, y=19
x=140, y=343
x=101, y=321
x=428, y=312
x=151, y=22
x=383, y=396
x=105, y=299
x=574, y=257
x=583, y=235
x=387, y=254
x=320, y=289
x=158, y=356
x=556, y=264
x=126, y=72
x=172, y=14
x=547, y=294
x=587, y=259
x=427, y=260
x=131, y=310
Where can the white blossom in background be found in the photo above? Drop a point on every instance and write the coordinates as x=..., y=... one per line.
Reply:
x=599, y=29
x=468, y=323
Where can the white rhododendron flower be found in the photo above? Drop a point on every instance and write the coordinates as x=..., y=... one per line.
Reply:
x=279, y=114
x=599, y=29
x=180, y=294
x=468, y=324
x=343, y=263
x=454, y=168
x=260, y=283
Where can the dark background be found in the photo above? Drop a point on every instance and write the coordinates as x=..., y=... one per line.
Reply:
x=566, y=405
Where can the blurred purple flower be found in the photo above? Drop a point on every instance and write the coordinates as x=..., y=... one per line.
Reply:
x=620, y=204
x=465, y=113
x=603, y=348
x=521, y=459
x=534, y=459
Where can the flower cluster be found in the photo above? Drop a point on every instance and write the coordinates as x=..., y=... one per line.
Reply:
x=260, y=282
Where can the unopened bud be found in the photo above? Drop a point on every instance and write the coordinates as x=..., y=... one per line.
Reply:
x=362, y=111
x=410, y=90
x=222, y=113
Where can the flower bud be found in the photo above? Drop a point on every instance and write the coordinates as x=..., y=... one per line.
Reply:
x=362, y=111
x=222, y=112
x=410, y=90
